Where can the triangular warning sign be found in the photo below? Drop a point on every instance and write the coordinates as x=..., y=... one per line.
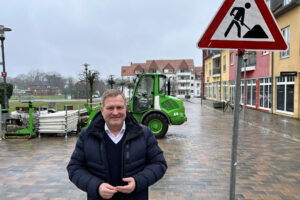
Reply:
x=243, y=24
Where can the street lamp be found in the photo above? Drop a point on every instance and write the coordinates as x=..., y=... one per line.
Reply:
x=2, y=38
x=86, y=82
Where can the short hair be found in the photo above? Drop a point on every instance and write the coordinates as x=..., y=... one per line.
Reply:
x=111, y=93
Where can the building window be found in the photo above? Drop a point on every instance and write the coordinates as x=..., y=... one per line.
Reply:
x=287, y=2
x=286, y=36
x=209, y=90
x=198, y=84
x=242, y=100
x=225, y=90
x=224, y=63
x=232, y=58
x=209, y=68
x=168, y=70
x=206, y=89
x=219, y=90
x=251, y=92
x=285, y=94
x=265, y=52
x=152, y=70
x=138, y=72
x=214, y=90
x=232, y=91
x=192, y=78
x=265, y=93
x=192, y=84
x=181, y=92
x=184, y=70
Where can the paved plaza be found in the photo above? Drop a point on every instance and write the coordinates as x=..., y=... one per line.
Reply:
x=198, y=154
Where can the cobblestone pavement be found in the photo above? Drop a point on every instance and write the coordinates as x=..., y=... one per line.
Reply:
x=198, y=155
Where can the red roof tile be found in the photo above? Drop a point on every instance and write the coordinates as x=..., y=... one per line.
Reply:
x=159, y=65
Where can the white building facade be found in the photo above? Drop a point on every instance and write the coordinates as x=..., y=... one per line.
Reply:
x=184, y=76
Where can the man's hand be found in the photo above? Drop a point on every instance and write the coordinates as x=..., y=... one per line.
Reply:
x=106, y=191
x=127, y=189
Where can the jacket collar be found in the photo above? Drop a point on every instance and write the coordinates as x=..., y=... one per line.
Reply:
x=96, y=128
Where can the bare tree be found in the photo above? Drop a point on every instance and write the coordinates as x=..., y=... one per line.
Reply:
x=122, y=83
x=130, y=86
x=111, y=81
x=80, y=89
x=70, y=86
x=55, y=80
x=92, y=77
x=35, y=77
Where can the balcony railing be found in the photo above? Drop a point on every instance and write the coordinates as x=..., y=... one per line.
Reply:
x=251, y=61
x=216, y=71
x=211, y=53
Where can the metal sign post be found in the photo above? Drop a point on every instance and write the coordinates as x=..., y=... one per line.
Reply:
x=236, y=125
x=242, y=24
x=0, y=122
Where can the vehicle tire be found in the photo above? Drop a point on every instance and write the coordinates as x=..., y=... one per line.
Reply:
x=157, y=123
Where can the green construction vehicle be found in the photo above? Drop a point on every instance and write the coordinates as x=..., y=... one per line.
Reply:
x=152, y=105
x=85, y=121
x=15, y=128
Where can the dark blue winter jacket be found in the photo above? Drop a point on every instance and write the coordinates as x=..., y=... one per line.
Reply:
x=142, y=159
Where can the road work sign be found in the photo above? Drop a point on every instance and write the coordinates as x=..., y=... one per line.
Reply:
x=243, y=24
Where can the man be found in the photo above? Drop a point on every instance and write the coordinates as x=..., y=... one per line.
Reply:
x=115, y=157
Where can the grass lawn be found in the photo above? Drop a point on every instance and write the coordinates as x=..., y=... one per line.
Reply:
x=59, y=105
x=38, y=97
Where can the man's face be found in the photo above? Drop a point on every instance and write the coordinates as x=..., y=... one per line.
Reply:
x=114, y=112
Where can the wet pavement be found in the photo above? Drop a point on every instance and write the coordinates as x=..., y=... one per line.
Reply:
x=198, y=155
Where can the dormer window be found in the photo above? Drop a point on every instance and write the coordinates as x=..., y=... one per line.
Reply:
x=138, y=71
x=184, y=70
x=168, y=71
x=152, y=70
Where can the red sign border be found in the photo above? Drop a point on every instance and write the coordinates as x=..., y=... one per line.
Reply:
x=277, y=44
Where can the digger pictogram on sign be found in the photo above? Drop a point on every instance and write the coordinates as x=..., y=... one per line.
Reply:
x=243, y=24
x=239, y=14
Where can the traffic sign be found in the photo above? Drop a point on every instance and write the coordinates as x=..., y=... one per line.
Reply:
x=3, y=74
x=243, y=24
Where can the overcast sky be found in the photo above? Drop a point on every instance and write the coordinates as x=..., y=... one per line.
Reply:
x=61, y=35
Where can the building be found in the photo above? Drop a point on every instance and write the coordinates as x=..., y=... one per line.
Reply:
x=44, y=90
x=216, y=74
x=184, y=76
x=270, y=81
x=286, y=64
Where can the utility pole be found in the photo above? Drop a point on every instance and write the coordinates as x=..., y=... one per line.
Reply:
x=4, y=74
x=86, y=82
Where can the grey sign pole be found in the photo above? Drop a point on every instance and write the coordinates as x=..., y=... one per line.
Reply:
x=0, y=122
x=236, y=125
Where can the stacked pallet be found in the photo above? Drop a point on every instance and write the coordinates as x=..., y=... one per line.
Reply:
x=59, y=122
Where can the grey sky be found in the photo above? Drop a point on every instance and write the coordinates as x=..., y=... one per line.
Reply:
x=61, y=35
